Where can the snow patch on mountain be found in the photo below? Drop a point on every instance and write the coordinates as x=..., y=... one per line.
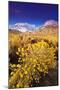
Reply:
x=50, y=22
x=23, y=27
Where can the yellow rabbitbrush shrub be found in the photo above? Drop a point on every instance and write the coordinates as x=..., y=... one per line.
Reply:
x=36, y=59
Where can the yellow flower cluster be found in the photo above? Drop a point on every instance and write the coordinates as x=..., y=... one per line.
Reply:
x=33, y=59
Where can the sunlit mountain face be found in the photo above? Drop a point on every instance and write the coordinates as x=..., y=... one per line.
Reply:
x=50, y=22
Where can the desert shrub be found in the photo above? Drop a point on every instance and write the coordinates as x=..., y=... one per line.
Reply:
x=34, y=60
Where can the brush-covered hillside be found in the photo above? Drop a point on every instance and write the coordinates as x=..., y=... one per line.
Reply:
x=33, y=57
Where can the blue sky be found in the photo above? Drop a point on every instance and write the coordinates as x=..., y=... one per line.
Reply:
x=22, y=12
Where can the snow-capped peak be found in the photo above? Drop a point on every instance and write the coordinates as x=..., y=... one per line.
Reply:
x=23, y=27
x=50, y=22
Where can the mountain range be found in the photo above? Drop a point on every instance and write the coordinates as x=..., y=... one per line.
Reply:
x=24, y=27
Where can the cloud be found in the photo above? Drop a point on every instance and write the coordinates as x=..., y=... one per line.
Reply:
x=23, y=27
